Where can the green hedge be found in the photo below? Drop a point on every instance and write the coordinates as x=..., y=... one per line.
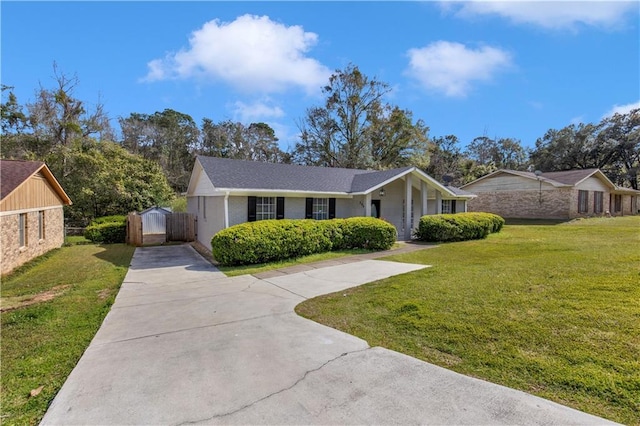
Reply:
x=107, y=229
x=272, y=240
x=458, y=227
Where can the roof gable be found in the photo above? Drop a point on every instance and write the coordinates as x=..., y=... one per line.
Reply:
x=557, y=179
x=14, y=173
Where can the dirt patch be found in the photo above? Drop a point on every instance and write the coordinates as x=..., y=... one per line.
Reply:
x=103, y=294
x=12, y=303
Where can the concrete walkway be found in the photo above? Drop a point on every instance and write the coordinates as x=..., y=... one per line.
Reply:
x=183, y=344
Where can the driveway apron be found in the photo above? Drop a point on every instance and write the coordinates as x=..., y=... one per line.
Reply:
x=184, y=344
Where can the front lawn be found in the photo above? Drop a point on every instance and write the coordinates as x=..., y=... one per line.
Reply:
x=553, y=310
x=52, y=308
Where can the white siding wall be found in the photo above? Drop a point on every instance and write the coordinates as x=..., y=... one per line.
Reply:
x=593, y=184
x=207, y=226
x=294, y=208
x=238, y=211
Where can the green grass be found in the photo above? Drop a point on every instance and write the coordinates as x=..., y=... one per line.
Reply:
x=72, y=240
x=42, y=342
x=551, y=310
x=232, y=271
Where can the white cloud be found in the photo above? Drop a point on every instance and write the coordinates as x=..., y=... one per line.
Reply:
x=550, y=14
x=452, y=68
x=256, y=111
x=251, y=53
x=621, y=109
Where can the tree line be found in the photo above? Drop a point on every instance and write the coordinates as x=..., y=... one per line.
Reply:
x=150, y=161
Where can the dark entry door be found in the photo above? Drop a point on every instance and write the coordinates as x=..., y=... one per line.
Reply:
x=375, y=208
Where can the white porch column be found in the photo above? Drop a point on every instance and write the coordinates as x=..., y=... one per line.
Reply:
x=367, y=205
x=438, y=202
x=423, y=198
x=407, y=211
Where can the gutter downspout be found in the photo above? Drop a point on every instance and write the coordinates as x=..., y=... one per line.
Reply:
x=226, y=210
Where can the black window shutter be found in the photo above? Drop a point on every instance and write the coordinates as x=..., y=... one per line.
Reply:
x=308, y=210
x=252, y=210
x=332, y=208
x=453, y=206
x=280, y=208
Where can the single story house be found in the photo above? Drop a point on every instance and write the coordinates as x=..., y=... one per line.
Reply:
x=31, y=212
x=224, y=192
x=551, y=195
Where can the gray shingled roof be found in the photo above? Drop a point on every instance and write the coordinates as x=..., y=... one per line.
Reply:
x=460, y=192
x=228, y=173
x=569, y=177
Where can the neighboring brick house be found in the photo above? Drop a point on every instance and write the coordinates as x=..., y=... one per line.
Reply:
x=551, y=195
x=224, y=192
x=31, y=212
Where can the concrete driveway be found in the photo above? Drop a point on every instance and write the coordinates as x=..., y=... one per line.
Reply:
x=183, y=344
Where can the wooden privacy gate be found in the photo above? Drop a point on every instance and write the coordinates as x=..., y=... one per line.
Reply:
x=179, y=227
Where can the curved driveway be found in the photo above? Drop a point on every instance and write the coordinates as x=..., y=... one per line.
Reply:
x=184, y=344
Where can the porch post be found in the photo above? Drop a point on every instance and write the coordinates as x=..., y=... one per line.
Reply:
x=438, y=202
x=367, y=205
x=407, y=211
x=423, y=197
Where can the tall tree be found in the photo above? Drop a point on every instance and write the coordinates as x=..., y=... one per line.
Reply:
x=355, y=128
x=169, y=138
x=444, y=159
x=256, y=142
x=499, y=153
x=105, y=179
x=612, y=145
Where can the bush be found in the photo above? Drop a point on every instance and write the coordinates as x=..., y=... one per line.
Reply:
x=107, y=229
x=458, y=227
x=272, y=240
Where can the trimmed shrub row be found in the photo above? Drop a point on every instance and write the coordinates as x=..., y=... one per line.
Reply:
x=272, y=240
x=458, y=227
x=107, y=230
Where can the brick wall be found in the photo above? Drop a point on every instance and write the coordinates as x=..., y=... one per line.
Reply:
x=524, y=204
x=12, y=254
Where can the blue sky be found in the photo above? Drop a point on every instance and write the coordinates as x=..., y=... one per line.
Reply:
x=504, y=69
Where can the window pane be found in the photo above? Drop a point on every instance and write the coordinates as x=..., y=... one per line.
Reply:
x=446, y=206
x=265, y=208
x=320, y=210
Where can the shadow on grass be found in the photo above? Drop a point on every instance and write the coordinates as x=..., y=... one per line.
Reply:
x=116, y=254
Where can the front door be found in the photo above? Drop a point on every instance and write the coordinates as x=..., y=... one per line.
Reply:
x=375, y=208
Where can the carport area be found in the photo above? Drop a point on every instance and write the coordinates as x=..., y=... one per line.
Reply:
x=184, y=344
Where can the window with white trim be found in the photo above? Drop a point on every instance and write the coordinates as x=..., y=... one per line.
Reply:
x=320, y=209
x=265, y=208
x=41, y=231
x=446, y=207
x=583, y=201
x=22, y=230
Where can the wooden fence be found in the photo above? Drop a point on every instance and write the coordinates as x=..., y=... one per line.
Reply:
x=179, y=227
x=134, y=230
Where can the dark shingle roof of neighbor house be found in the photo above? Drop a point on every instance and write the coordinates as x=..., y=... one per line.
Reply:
x=459, y=191
x=14, y=172
x=228, y=173
x=558, y=179
x=569, y=177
